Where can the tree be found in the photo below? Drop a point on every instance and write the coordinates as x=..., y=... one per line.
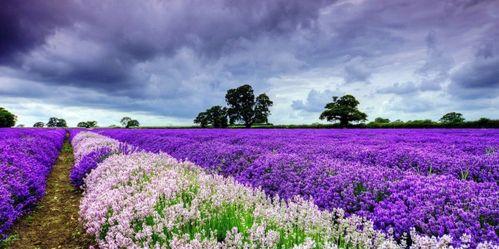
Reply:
x=56, y=122
x=344, y=109
x=87, y=124
x=262, y=110
x=202, y=119
x=128, y=122
x=242, y=106
x=215, y=116
x=124, y=121
x=241, y=101
x=452, y=118
x=52, y=122
x=7, y=119
x=39, y=125
x=381, y=120
x=91, y=124
x=132, y=123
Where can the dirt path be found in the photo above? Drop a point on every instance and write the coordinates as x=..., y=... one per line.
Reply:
x=54, y=222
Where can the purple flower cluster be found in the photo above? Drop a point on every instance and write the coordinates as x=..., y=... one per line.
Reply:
x=26, y=159
x=87, y=163
x=90, y=149
x=436, y=181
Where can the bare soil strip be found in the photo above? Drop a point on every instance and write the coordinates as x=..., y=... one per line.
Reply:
x=54, y=222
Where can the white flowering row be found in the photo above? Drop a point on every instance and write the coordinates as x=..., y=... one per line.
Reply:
x=85, y=142
x=147, y=200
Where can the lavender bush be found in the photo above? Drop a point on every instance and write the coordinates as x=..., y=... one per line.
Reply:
x=89, y=150
x=26, y=159
x=434, y=181
x=146, y=200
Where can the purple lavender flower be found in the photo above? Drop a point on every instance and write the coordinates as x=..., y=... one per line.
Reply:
x=437, y=181
x=26, y=159
x=87, y=164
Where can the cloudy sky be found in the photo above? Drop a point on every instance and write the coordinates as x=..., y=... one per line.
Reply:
x=164, y=61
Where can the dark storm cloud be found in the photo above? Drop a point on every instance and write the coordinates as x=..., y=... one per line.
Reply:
x=478, y=78
x=114, y=36
x=24, y=25
x=175, y=58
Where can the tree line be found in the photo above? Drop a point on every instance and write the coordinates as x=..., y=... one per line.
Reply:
x=245, y=109
x=7, y=119
x=242, y=108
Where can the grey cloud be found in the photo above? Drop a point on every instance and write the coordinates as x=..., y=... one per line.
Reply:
x=400, y=88
x=315, y=101
x=170, y=58
x=412, y=104
x=24, y=25
x=356, y=71
x=436, y=69
x=478, y=78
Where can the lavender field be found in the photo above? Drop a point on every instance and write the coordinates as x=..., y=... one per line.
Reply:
x=404, y=187
x=26, y=159
x=265, y=188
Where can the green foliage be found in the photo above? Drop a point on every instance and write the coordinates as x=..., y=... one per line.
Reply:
x=39, y=125
x=381, y=120
x=124, y=121
x=452, y=118
x=133, y=123
x=241, y=102
x=8, y=241
x=215, y=116
x=128, y=122
x=56, y=122
x=202, y=119
x=262, y=111
x=87, y=124
x=216, y=220
x=427, y=123
x=7, y=119
x=243, y=107
x=343, y=109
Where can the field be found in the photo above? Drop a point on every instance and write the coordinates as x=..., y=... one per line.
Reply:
x=277, y=188
x=26, y=159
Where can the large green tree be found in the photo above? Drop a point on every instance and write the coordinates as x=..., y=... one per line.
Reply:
x=243, y=107
x=7, y=119
x=132, y=123
x=124, y=121
x=452, y=118
x=262, y=109
x=343, y=109
x=128, y=122
x=202, y=119
x=56, y=122
x=241, y=102
x=215, y=116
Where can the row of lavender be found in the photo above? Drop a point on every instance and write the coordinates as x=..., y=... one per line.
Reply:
x=437, y=181
x=26, y=159
x=150, y=200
